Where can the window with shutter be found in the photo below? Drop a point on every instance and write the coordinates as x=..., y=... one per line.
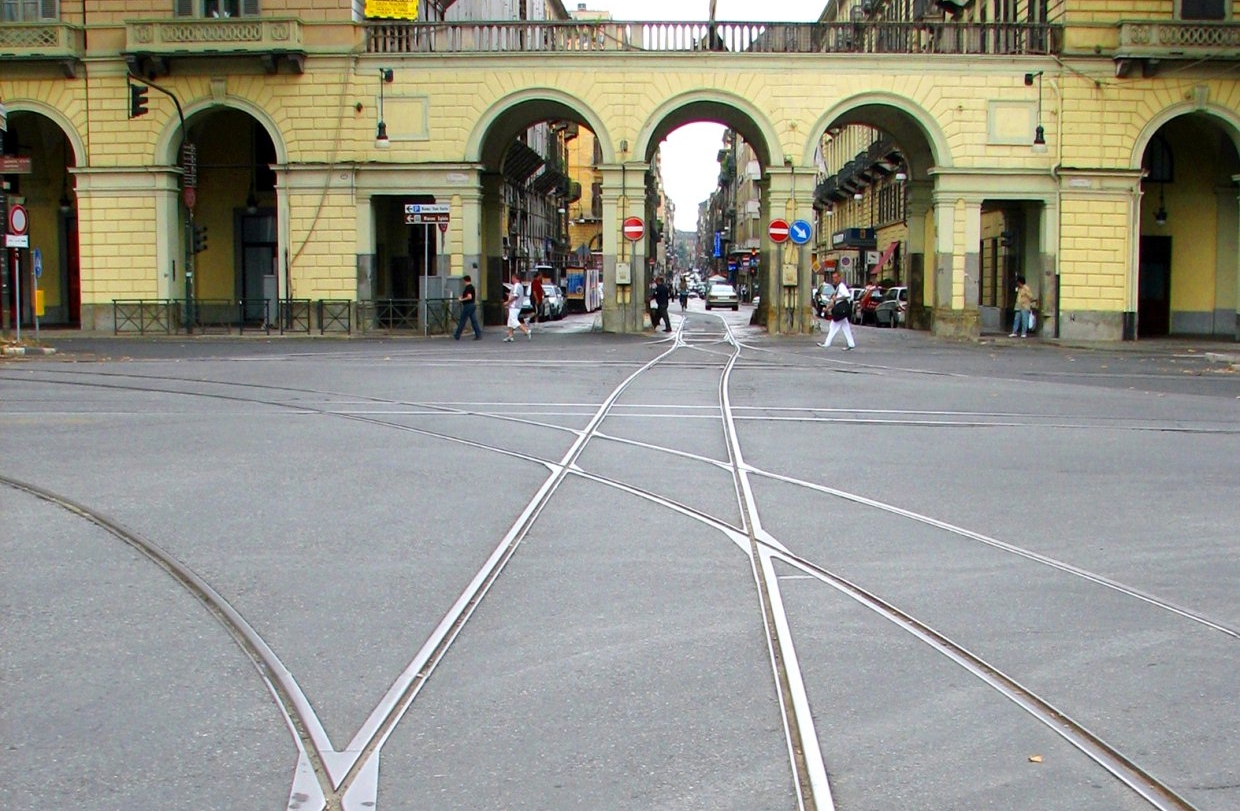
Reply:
x=183, y=8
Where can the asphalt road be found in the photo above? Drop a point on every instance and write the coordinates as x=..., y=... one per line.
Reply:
x=710, y=570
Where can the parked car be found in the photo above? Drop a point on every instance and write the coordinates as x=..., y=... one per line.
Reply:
x=892, y=311
x=822, y=299
x=722, y=295
x=554, y=303
x=867, y=303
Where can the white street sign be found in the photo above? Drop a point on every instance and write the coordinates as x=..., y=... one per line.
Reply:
x=16, y=241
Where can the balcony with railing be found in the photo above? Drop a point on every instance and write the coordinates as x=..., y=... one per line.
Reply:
x=151, y=45
x=1148, y=42
x=48, y=41
x=864, y=37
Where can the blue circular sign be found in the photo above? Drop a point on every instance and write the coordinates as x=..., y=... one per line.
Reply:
x=800, y=231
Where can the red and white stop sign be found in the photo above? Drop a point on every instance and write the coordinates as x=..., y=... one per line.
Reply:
x=634, y=229
x=778, y=230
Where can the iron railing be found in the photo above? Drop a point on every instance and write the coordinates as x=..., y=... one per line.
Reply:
x=143, y=315
x=395, y=315
x=903, y=37
x=295, y=315
x=211, y=316
x=335, y=315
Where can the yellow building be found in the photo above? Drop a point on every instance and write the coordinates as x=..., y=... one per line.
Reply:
x=1092, y=145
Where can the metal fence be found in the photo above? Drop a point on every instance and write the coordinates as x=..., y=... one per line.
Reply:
x=337, y=316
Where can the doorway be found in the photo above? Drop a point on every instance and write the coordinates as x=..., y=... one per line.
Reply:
x=256, y=265
x=1154, y=287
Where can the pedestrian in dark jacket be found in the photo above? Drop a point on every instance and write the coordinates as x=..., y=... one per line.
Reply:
x=662, y=295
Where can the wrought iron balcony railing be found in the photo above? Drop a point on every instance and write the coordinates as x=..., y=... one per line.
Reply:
x=920, y=37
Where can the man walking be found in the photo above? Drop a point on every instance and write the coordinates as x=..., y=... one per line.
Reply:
x=469, y=310
x=840, y=305
x=662, y=296
x=516, y=292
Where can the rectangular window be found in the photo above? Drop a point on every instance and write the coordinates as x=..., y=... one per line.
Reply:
x=29, y=11
x=215, y=8
x=1203, y=10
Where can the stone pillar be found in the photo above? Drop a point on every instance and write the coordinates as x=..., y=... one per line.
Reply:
x=624, y=195
x=918, y=211
x=958, y=230
x=1226, y=320
x=132, y=202
x=365, y=230
x=490, y=237
x=1045, y=262
x=787, y=194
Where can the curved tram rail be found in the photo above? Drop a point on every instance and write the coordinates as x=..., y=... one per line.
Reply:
x=348, y=778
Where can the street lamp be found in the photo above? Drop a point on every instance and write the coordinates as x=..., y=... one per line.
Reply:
x=1039, y=134
x=381, y=136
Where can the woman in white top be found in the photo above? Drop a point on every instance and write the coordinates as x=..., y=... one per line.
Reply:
x=841, y=303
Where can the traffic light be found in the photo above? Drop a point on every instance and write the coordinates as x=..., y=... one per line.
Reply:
x=200, y=238
x=138, y=97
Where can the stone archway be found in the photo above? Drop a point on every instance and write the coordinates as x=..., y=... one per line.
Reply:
x=522, y=146
x=877, y=200
x=230, y=220
x=41, y=150
x=1186, y=274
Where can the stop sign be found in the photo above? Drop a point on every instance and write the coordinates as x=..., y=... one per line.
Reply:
x=634, y=228
x=778, y=230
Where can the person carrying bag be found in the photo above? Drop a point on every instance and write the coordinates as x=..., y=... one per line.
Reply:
x=841, y=310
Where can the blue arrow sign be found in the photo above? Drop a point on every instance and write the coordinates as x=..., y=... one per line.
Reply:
x=37, y=255
x=799, y=232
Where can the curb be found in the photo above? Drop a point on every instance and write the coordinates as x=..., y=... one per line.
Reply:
x=28, y=350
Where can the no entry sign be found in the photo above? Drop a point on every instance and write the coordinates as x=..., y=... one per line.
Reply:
x=778, y=230
x=634, y=228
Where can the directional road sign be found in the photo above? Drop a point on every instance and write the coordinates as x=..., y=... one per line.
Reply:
x=778, y=230
x=428, y=208
x=427, y=219
x=799, y=232
x=634, y=228
x=37, y=257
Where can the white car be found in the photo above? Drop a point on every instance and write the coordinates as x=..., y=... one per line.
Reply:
x=722, y=295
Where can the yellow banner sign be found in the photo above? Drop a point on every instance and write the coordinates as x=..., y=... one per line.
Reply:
x=392, y=9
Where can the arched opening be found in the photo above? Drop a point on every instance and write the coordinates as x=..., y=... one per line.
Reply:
x=874, y=218
x=42, y=280
x=542, y=209
x=1187, y=266
x=231, y=234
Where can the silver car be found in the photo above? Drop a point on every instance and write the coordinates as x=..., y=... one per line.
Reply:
x=722, y=295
